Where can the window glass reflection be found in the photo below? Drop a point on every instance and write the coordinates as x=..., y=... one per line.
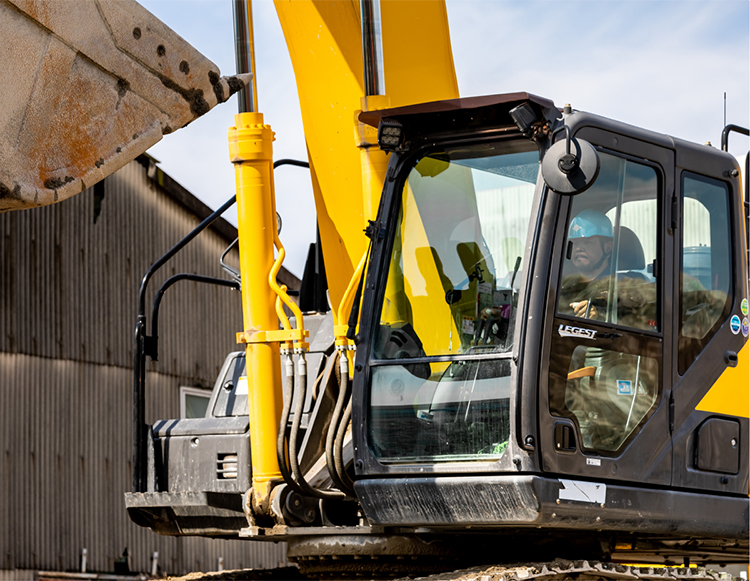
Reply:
x=456, y=264
x=458, y=410
x=611, y=248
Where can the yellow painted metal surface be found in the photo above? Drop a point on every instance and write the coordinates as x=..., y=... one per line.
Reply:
x=324, y=42
x=280, y=336
x=251, y=151
x=730, y=395
x=437, y=323
x=417, y=52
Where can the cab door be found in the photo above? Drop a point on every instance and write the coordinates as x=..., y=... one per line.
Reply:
x=604, y=377
x=711, y=367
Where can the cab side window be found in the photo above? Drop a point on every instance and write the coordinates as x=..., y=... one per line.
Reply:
x=606, y=353
x=705, y=264
x=611, y=248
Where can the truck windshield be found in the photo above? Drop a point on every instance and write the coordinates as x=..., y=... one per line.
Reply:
x=440, y=364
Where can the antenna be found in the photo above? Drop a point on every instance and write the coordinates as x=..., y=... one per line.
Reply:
x=725, y=108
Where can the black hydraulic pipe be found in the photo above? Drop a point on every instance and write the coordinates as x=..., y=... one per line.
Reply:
x=294, y=162
x=725, y=135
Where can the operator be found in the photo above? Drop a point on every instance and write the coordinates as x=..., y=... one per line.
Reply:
x=585, y=293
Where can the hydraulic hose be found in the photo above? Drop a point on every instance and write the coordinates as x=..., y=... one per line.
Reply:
x=338, y=451
x=293, y=460
x=281, y=447
x=335, y=420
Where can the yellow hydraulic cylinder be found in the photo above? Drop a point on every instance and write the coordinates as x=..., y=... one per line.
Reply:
x=251, y=151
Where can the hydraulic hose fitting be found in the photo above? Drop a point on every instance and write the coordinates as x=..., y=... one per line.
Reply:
x=288, y=362
x=302, y=366
x=343, y=362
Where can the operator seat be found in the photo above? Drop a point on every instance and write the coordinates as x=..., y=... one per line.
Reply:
x=630, y=257
x=636, y=291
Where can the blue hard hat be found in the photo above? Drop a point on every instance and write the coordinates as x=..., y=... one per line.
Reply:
x=590, y=223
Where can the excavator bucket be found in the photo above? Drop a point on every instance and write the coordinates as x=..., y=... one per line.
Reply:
x=86, y=86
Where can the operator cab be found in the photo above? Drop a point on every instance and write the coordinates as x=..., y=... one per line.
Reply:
x=555, y=301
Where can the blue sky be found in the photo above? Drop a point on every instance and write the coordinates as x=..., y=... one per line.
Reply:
x=663, y=65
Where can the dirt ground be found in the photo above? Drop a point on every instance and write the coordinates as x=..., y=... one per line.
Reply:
x=281, y=574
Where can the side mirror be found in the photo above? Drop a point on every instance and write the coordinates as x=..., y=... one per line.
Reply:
x=571, y=165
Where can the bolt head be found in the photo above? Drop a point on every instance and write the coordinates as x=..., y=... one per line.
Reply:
x=568, y=163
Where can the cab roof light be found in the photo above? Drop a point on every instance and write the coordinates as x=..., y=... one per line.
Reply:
x=390, y=134
x=524, y=117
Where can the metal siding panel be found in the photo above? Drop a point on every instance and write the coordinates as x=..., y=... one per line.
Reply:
x=74, y=502
x=70, y=292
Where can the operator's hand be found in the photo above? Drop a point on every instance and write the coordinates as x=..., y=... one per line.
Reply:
x=579, y=310
x=490, y=313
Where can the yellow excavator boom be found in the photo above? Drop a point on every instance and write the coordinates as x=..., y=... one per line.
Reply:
x=325, y=44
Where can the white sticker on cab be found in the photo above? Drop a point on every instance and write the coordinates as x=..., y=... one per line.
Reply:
x=594, y=492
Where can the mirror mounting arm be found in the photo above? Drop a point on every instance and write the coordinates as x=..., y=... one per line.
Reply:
x=568, y=163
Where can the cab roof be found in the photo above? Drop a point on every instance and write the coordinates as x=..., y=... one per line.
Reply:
x=465, y=113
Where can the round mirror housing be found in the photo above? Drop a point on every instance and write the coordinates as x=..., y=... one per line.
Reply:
x=570, y=166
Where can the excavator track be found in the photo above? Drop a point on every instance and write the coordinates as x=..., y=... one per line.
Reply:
x=558, y=570
x=562, y=570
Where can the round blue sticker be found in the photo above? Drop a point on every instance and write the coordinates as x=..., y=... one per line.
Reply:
x=735, y=324
x=745, y=327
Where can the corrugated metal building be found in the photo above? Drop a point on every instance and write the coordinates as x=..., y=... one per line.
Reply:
x=70, y=278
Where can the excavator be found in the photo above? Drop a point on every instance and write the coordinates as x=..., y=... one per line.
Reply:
x=522, y=333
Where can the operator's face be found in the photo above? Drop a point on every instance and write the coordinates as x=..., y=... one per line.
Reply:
x=588, y=254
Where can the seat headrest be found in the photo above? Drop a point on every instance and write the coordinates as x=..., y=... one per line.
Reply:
x=630, y=254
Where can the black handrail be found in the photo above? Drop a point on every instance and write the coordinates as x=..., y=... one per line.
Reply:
x=176, y=248
x=143, y=343
x=147, y=345
x=725, y=135
x=152, y=343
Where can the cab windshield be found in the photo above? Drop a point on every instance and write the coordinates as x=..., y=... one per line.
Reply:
x=441, y=362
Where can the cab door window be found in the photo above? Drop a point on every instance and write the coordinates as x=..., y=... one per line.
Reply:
x=606, y=355
x=705, y=265
x=441, y=358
